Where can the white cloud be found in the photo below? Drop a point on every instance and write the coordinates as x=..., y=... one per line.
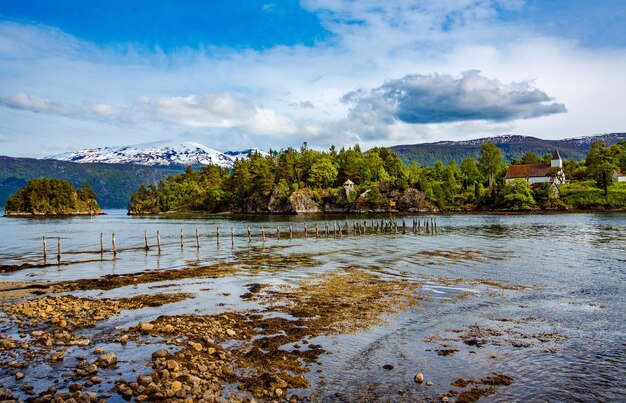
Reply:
x=282, y=96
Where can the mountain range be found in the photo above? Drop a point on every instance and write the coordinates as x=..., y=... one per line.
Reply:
x=116, y=172
x=161, y=153
x=512, y=146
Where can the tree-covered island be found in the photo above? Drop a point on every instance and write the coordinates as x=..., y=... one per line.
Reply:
x=52, y=197
x=352, y=181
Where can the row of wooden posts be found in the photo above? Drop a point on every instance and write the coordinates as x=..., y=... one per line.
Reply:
x=390, y=226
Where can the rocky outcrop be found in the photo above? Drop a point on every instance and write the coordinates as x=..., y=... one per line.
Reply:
x=414, y=201
x=303, y=201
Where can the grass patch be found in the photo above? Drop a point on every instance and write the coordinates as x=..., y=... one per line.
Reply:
x=584, y=195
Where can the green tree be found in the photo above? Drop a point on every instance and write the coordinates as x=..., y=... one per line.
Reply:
x=600, y=164
x=323, y=173
x=517, y=195
x=470, y=173
x=490, y=161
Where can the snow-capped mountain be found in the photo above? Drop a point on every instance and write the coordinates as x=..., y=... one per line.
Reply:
x=163, y=153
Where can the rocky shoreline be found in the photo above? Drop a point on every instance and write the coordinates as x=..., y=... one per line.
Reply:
x=265, y=357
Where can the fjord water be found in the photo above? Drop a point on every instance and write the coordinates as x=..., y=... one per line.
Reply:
x=572, y=268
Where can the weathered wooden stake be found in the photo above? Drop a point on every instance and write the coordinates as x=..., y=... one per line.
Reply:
x=113, y=244
x=334, y=228
x=197, y=239
x=232, y=236
x=249, y=235
x=278, y=231
x=217, y=235
x=305, y=232
x=403, y=226
x=145, y=240
x=181, y=238
x=290, y=232
x=101, y=244
x=59, y=249
x=317, y=231
x=44, y=248
x=158, y=241
x=327, y=231
x=263, y=233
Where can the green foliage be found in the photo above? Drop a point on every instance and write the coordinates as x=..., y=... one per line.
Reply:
x=601, y=162
x=585, y=195
x=255, y=180
x=517, y=195
x=50, y=196
x=490, y=161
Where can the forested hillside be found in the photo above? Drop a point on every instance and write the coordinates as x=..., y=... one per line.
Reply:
x=113, y=183
x=513, y=148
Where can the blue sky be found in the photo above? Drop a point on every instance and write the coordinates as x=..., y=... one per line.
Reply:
x=238, y=74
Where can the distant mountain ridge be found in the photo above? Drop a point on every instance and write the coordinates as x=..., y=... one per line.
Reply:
x=113, y=183
x=512, y=146
x=161, y=153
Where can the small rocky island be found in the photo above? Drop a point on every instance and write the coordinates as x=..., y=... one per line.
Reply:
x=52, y=197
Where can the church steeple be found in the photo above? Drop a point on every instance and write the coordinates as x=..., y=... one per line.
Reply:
x=556, y=162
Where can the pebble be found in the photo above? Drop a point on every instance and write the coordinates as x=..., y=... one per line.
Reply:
x=160, y=354
x=98, y=350
x=19, y=376
x=172, y=365
x=231, y=332
x=144, y=380
x=419, y=377
x=429, y=383
x=177, y=385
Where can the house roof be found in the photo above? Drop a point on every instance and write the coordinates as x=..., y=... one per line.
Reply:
x=556, y=155
x=619, y=173
x=348, y=182
x=528, y=171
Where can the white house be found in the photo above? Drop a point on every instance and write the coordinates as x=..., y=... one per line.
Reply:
x=619, y=176
x=538, y=173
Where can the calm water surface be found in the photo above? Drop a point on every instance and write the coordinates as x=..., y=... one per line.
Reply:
x=573, y=267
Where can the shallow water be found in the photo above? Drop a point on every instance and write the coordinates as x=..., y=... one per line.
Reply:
x=572, y=268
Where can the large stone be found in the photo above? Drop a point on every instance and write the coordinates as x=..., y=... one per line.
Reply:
x=145, y=327
x=107, y=359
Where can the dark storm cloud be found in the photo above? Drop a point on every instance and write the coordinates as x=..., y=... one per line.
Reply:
x=422, y=99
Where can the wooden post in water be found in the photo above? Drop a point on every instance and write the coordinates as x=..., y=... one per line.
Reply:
x=197, y=239
x=334, y=228
x=59, y=249
x=290, y=232
x=327, y=231
x=249, y=235
x=113, y=244
x=217, y=235
x=232, y=236
x=263, y=233
x=305, y=232
x=158, y=241
x=317, y=231
x=403, y=226
x=278, y=231
x=101, y=244
x=145, y=240
x=44, y=248
x=181, y=238
x=347, y=228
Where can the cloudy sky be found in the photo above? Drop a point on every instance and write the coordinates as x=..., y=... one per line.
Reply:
x=237, y=74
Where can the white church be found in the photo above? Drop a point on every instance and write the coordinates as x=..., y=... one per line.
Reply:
x=538, y=173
